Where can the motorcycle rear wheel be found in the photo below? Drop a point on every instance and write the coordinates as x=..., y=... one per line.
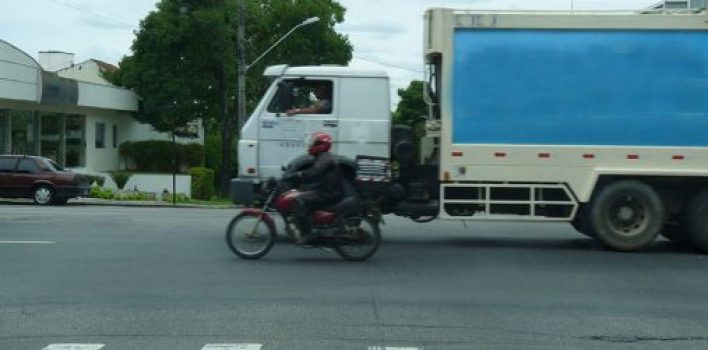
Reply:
x=370, y=239
x=250, y=236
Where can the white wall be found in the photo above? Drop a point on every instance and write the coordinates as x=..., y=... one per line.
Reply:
x=53, y=61
x=88, y=71
x=158, y=183
x=106, y=97
x=20, y=75
x=107, y=158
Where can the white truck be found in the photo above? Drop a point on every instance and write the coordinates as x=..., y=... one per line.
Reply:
x=599, y=119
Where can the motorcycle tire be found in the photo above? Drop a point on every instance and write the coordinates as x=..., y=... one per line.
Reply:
x=238, y=230
x=361, y=251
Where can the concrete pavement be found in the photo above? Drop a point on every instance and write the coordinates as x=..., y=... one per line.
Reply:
x=151, y=278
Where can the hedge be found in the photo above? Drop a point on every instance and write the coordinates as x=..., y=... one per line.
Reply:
x=202, y=183
x=121, y=178
x=158, y=156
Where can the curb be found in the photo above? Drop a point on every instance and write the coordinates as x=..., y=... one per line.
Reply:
x=148, y=204
x=134, y=204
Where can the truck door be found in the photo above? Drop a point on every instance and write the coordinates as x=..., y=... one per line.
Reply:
x=299, y=108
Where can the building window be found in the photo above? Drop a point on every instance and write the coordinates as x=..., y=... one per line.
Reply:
x=115, y=136
x=100, y=135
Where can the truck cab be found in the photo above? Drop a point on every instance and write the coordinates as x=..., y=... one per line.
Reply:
x=358, y=119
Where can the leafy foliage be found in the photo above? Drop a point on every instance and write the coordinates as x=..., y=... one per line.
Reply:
x=158, y=156
x=202, y=183
x=412, y=105
x=121, y=178
x=101, y=193
x=183, y=62
x=96, y=179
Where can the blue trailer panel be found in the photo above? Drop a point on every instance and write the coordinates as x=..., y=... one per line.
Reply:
x=580, y=87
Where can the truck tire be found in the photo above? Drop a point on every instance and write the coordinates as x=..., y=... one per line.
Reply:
x=696, y=216
x=627, y=215
x=581, y=222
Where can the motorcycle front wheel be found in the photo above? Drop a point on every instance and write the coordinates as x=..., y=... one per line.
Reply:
x=363, y=239
x=250, y=236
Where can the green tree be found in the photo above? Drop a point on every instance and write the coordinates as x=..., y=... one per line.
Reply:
x=183, y=62
x=412, y=105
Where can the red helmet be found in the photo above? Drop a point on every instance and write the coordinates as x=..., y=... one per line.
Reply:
x=320, y=142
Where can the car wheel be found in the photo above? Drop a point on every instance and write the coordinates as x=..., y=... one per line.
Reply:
x=43, y=195
x=627, y=215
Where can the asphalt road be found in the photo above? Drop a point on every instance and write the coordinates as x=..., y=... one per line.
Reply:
x=141, y=278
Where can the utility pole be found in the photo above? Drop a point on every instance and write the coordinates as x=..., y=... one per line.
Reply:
x=242, y=66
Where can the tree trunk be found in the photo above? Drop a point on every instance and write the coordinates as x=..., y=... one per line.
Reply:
x=226, y=136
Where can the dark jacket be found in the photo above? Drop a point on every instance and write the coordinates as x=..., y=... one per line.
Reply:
x=324, y=177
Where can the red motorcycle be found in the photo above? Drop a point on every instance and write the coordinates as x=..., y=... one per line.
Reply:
x=350, y=227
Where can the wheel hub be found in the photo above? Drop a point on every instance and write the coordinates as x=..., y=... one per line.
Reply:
x=625, y=214
x=628, y=216
x=42, y=195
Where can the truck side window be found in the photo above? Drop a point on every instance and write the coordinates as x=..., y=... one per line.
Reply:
x=305, y=97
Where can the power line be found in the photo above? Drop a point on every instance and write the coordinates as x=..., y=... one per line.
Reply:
x=391, y=65
x=92, y=13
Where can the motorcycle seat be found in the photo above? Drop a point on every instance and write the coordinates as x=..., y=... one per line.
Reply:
x=350, y=203
x=346, y=205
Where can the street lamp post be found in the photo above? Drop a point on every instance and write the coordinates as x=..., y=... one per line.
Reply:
x=243, y=67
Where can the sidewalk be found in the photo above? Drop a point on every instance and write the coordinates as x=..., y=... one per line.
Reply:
x=106, y=202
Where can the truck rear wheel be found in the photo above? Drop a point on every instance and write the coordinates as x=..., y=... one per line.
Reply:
x=696, y=216
x=627, y=215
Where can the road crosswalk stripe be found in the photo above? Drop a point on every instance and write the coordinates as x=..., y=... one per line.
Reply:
x=27, y=242
x=237, y=346
x=74, y=347
x=232, y=347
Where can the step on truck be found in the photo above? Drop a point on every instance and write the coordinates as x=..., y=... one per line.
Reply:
x=599, y=119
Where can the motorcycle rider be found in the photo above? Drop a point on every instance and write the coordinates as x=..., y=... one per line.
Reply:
x=322, y=181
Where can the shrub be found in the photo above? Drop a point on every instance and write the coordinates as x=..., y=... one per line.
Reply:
x=158, y=156
x=121, y=178
x=202, y=183
x=135, y=196
x=97, y=179
x=101, y=193
x=181, y=198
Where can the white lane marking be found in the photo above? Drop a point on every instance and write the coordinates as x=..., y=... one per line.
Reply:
x=74, y=347
x=392, y=348
x=232, y=347
x=28, y=242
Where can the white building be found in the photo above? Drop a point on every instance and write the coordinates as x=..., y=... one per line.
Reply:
x=681, y=4
x=66, y=111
